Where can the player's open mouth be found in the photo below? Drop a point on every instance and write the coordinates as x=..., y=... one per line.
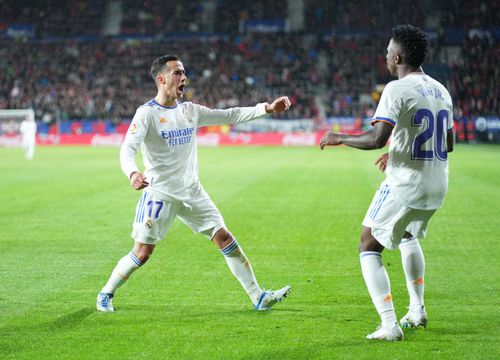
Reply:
x=181, y=89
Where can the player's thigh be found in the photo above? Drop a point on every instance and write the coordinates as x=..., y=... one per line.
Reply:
x=386, y=218
x=416, y=221
x=201, y=215
x=153, y=218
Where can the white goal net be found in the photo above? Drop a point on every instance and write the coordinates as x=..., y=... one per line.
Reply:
x=10, y=124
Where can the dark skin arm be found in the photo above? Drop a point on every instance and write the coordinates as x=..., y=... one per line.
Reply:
x=376, y=138
x=450, y=140
x=382, y=160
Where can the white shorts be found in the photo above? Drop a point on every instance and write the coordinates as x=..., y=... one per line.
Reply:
x=390, y=220
x=153, y=216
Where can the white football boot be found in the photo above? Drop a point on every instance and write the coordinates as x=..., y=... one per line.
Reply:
x=104, y=302
x=393, y=334
x=269, y=297
x=414, y=318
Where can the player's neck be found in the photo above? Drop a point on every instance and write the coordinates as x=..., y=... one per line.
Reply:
x=407, y=70
x=164, y=100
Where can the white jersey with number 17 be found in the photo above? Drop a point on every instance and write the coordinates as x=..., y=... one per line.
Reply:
x=167, y=138
x=420, y=109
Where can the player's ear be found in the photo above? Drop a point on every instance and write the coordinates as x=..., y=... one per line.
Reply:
x=398, y=59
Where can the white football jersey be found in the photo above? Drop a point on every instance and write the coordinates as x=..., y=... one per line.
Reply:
x=167, y=137
x=28, y=129
x=420, y=109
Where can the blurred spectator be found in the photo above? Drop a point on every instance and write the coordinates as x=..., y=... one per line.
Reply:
x=330, y=69
x=475, y=78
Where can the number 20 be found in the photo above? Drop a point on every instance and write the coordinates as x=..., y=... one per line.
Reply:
x=433, y=133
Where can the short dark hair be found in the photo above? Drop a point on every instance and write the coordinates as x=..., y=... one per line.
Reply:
x=414, y=43
x=159, y=64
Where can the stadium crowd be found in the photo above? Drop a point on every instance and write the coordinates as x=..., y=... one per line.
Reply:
x=110, y=78
x=331, y=67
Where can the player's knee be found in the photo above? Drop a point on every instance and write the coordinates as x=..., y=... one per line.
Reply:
x=143, y=253
x=143, y=257
x=369, y=246
x=222, y=238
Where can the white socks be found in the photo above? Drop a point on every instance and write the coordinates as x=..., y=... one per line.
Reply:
x=379, y=286
x=241, y=269
x=122, y=271
x=414, y=267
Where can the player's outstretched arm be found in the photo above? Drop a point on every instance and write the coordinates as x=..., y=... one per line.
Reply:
x=376, y=138
x=279, y=105
x=236, y=115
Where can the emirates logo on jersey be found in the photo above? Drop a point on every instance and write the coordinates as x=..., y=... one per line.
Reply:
x=177, y=137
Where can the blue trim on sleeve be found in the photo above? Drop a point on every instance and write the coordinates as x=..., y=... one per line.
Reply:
x=392, y=122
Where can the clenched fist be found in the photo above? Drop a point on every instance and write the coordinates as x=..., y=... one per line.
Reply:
x=138, y=180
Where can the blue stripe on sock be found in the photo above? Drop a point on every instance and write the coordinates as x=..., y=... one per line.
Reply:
x=369, y=253
x=230, y=248
x=135, y=259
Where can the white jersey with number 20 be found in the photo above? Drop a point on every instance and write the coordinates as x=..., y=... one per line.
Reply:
x=420, y=109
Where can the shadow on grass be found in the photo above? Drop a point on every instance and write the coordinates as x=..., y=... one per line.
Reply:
x=69, y=321
x=64, y=322
x=19, y=338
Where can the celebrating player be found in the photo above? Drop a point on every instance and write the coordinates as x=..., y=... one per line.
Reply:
x=417, y=110
x=165, y=129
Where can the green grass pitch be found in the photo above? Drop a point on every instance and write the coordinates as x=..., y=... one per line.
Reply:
x=65, y=221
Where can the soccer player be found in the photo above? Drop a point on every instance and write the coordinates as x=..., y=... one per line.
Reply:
x=28, y=135
x=417, y=111
x=165, y=129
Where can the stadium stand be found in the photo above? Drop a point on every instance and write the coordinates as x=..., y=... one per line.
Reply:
x=235, y=53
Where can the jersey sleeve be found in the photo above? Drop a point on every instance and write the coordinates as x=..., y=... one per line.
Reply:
x=133, y=139
x=389, y=106
x=206, y=116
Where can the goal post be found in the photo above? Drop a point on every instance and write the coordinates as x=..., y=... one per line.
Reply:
x=10, y=124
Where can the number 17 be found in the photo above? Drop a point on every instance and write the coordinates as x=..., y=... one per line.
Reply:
x=159, y=205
